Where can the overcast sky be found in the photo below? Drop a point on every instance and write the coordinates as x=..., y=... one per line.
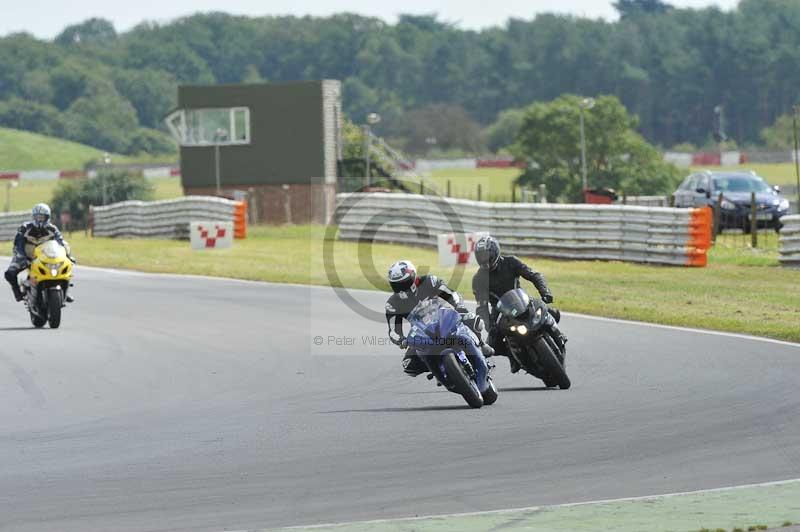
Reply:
x=46, y=18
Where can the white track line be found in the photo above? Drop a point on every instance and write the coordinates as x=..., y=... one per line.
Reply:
x=536, y=508
x=319, y=287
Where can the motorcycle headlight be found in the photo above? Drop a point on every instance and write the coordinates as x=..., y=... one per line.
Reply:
x=727, y=205
x=55, y=265
x=513, y=328
x=783, y=205
x=522, y=330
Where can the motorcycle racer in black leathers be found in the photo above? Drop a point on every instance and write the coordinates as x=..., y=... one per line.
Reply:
x=497, y=275
x=409, y=289
x=31, y=234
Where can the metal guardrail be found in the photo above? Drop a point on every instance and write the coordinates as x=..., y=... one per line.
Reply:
x=161, y=219
x=606, y=232
x=790, y=241
x=10, y=222
x=644, y=201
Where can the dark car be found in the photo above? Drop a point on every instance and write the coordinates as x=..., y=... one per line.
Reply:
x=704, y=188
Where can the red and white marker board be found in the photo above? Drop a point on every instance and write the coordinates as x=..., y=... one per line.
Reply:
x=458, y=249
x=211, y=235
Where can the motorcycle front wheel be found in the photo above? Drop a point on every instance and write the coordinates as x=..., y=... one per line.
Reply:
x=554, y=371
x=54, y=305
x=460, y=382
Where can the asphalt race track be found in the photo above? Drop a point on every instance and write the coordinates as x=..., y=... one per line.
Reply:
x=168, y=403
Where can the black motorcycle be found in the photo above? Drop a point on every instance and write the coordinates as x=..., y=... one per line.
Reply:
x=526, y=325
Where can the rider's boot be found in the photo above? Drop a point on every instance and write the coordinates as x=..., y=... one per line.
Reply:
x=17, y=292
x=12, y=280
x=413, y=365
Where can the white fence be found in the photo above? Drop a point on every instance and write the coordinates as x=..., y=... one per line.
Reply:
x=606, y=232
x=644, y=201
x=10, y=222
x=160, y=219
x=790, y=241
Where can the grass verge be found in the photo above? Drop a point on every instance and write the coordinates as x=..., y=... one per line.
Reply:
x=729, y=295
x=23, y=150
x=32, y=191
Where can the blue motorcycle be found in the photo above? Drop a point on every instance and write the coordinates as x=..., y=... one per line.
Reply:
x=450, y=350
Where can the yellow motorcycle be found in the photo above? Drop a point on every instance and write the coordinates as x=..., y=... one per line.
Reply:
x=45, y=289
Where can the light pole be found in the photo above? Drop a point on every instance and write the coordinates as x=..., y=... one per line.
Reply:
x=11, y=183
x=218, y=135
x=106, y=163
x=796, y=110
x=586, y=103
x=372, y=119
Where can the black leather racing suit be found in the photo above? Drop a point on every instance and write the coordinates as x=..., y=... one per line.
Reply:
x=400, y=304
x=28, y=236
x=490, y=285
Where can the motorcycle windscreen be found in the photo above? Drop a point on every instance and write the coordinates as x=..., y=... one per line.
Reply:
x=52, y=249
x=426, y=316
x=514, y=303
x=449, y=319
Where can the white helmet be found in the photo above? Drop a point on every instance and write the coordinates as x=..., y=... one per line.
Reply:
x=402, y=276
x=40, y=214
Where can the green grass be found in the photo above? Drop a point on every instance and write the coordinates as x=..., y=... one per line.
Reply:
x=31, y=191
x=495, y=182
x=22, y=150
x=761, y=299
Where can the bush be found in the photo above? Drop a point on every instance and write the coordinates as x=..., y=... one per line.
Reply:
x=151, y=141
x=76, y=196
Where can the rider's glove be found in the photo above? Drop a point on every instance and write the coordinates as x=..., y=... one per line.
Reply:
x=397, y=340
x=547, y=298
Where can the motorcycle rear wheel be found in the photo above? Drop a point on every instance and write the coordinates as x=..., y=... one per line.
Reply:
x=37, y=321
x=460, y=382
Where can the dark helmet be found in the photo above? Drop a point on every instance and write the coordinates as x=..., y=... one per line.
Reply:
x=402, y=276
x=487, y=252
x=40, y=214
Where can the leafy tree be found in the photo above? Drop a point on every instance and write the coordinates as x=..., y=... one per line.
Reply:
x=102, y=118
x=151, y=92
x=16, y=113
x=92, y=31
x=74, y=196
x=151, y=141
x=617, y=157
x=503, y=131
x=780, y=135
x=630, y=8
x=447, y=127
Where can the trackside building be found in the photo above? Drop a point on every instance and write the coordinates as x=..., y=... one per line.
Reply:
x=275, y=144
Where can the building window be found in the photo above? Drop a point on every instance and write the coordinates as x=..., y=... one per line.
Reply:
x=207, y=127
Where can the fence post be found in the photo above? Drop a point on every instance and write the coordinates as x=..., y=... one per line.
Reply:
x=513, y=193
x=624, y=198
x=448, y=188
x=753, y=221
x=717, y=212
x=671, y=200
x=421, y=187
x=479, y=191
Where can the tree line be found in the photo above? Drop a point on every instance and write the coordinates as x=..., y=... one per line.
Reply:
x=437, y=86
